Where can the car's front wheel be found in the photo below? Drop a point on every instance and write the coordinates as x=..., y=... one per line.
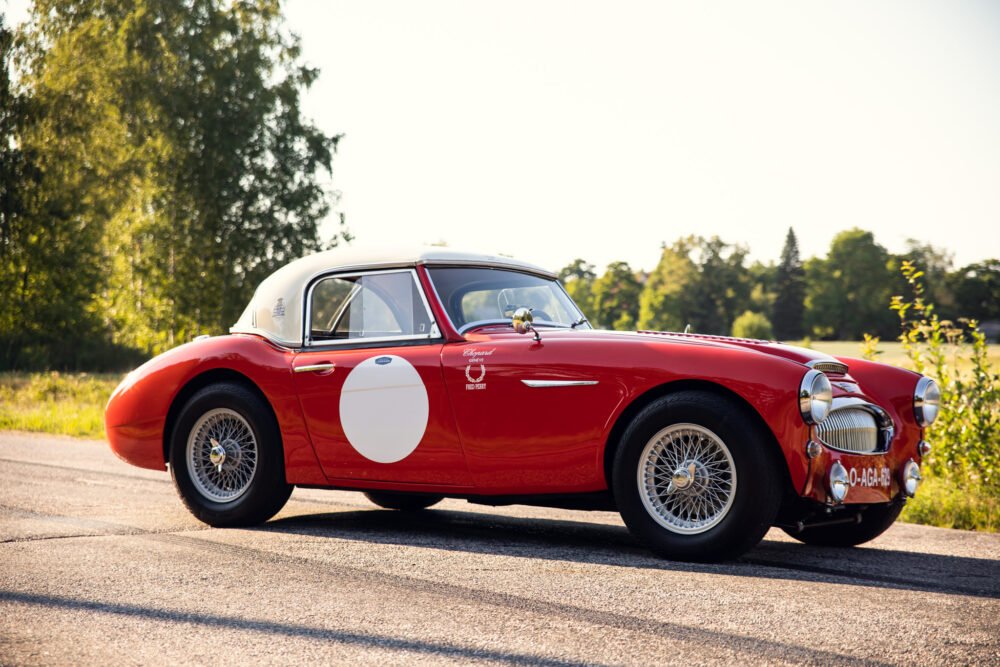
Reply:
x=226, y=457
x=694, y=477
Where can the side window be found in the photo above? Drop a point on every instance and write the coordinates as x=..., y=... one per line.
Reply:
x=372, y=306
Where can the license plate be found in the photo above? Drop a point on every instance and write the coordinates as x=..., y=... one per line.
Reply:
x=870, y=476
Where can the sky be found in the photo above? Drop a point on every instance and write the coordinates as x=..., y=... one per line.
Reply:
x=556, y=130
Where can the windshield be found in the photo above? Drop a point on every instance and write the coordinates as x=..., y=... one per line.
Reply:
x=476, y=296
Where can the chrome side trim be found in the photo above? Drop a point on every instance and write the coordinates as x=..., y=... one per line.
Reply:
x=827, y=365
x=308, y=368
x=537, y=384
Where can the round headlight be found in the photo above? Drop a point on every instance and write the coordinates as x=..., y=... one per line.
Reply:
x=926, y=401
x=815, y=397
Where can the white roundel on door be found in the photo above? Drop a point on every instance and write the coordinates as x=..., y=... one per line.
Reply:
x=383, y=408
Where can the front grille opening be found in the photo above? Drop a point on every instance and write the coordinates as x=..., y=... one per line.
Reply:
x=851, y=430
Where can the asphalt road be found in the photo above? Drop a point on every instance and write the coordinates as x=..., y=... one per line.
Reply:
x=101, y=564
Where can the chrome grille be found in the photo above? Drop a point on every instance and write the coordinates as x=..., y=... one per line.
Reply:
x=851, y=430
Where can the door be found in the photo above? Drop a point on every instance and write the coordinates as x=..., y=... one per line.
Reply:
x=532, y=416
x=370, y=383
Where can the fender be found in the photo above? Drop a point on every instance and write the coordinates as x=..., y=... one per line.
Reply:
x=136, y=419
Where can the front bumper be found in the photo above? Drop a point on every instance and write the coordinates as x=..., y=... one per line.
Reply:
x=874, y=478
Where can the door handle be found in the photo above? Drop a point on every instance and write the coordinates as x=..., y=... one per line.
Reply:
x=309, y=368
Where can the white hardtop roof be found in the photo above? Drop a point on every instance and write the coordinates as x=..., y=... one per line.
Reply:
x=275, y=311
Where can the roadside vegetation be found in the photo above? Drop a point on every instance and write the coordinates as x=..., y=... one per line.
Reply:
x=60, y=403
x=962, y=474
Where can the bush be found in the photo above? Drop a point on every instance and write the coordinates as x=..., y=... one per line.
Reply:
x=965, y=463
x=752, y=325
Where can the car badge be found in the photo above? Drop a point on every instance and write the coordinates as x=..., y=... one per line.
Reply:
x=382, y=361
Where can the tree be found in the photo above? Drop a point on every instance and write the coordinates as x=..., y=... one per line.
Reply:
x=846, y=293
x=977, y=290
x=752, y=325
x=723, y=288
x=701, y=282
x=178, y=146
x=578, y=278
x=790, y=292
x=616, y=297
x=62, y=140
x=936, y=265
x=665, y=302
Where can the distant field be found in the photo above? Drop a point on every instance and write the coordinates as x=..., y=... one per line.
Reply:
x=891, y=352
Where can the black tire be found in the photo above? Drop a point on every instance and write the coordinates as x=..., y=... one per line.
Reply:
x=758, y=482
x=406, y=502
x=875, y=520
x=265, y=493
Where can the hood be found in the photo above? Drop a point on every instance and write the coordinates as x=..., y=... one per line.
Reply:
x=799, y=354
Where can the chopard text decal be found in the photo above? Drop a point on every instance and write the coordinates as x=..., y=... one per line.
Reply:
x=475, y=367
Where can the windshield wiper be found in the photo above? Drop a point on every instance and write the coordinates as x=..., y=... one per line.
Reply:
x=582, y=320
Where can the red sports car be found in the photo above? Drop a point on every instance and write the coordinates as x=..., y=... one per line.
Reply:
x=418, y=376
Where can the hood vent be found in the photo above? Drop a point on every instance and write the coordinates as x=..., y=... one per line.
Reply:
x=827, y=366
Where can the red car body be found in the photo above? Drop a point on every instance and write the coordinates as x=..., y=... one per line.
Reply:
x=491, y=434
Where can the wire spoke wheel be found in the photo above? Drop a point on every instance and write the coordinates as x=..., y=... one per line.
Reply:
x=222, y=455
x=686, y=478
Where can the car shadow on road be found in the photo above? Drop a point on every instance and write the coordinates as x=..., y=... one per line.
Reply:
x=601, y=544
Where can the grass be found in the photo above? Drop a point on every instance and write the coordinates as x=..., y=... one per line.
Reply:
x=949, y=504
x=60, y=403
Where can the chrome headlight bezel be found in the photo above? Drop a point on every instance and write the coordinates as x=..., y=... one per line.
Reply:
x=815, y=397
x=926, y=401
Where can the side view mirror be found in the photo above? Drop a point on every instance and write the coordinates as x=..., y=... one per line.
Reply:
x=522, y=322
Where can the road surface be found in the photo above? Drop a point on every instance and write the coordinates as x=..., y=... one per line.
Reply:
x=101, y=564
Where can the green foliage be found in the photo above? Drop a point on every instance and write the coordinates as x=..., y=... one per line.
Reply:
x=664, y=304
x=616, y=298
x=967, y=433
x=950, y=503
x=701, y=282
x=790, y=292
x=578, y=279
x=846, y=292
x=176, y=172
x=60, y=403
x=976, y=290
x=753, y=325
x=869, y=347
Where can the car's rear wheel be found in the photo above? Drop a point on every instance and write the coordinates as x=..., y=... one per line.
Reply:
x=875, y=520
x=226, y=457
x=407, y=502
x=695, y=477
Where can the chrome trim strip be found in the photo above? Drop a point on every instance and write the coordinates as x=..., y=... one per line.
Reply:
x=473, y=263
x=307, y=368
x=558, y=383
